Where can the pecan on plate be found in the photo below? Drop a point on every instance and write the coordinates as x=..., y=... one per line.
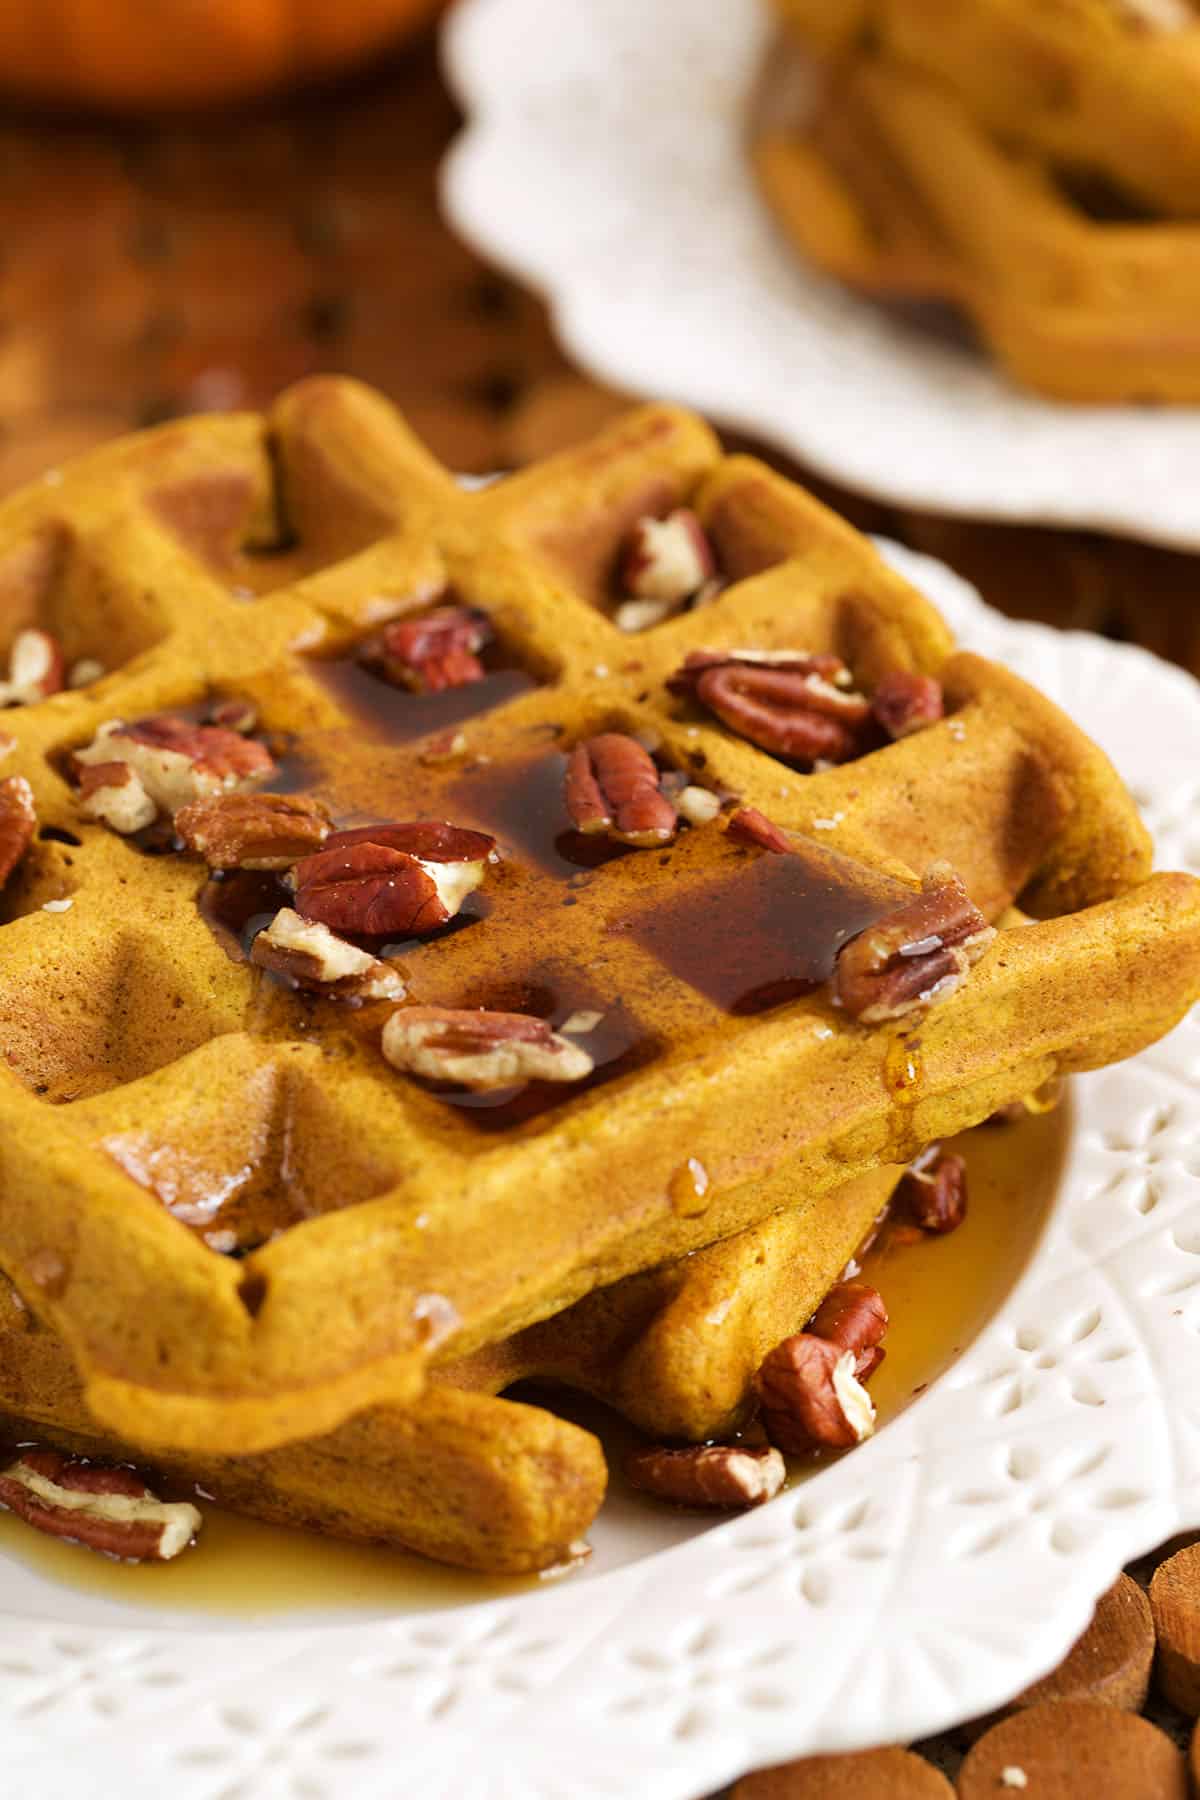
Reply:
x=481, y=1050
x=854, y=1317
x=707, y=1474
x=175, y=761
x=664, y=565
x=795, y=705
x=914, y=956
x=391, y=879
x=36, y=668
x=253, y=831
x=312, y=957
x=933, y=1191
x=752, y=828
x=437, y=650
x=612, y=785
x=18, y=822
x=98, y=1505
x=810, y=1395
x=904, y=702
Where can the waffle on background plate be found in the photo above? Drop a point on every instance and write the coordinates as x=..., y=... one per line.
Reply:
x=243, y=1244
x=964, y=151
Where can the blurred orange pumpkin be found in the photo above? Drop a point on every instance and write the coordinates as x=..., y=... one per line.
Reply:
x=164, y=53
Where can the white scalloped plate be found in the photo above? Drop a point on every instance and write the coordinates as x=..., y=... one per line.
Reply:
x=605, y=164
x=924, y=1579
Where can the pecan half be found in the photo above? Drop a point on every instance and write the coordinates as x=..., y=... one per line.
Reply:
x=177, y=761
x=934, y=1190
x=668, y=559
x=788, y=702
x=381, y=880
x=18, y=822
x=613, y=786
x=853, y=1317
x=438, y=650
x=707, y=1474
x=481, y=1050
x=904, y=702
x=810, y=1395
x=914, y=956
x=750, y=827
x=35, y=668
x=98, y=1505
x=311, y=956
x=253, y=831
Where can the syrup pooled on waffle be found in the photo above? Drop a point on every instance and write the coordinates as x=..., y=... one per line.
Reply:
x=478, y=899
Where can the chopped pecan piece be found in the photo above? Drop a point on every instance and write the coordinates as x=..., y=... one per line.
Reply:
x=18, y=822
x=667, y=560
x=389, y=879
x=100, y=1506
x=235, y=715
x=853, y=1317
x=613, y=786
x=708, y=1474
x=35, y=668
x=481, y=1050
x=253, y=831
x=811, y=1395
x=176, y=761
x=914, y=956
x=112, y=793
x=435, y=651
x=792, y=704
x=934, y=1190
x=905, y=702
x=312, y=957
x=698, y=805
x=81, y=674
x=750, y=827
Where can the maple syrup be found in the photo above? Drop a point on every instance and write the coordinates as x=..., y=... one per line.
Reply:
x=766, y=933
x=398, y=715
x=520, y=801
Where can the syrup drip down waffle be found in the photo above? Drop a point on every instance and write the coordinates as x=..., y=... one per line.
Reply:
x=243, y=1223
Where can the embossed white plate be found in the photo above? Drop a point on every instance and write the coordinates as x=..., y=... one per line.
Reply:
x=605, y=164
x=925, y=1578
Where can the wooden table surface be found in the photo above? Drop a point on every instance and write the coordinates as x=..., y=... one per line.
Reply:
x=152, y=269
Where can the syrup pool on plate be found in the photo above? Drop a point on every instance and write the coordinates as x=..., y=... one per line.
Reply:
x=940, y=1291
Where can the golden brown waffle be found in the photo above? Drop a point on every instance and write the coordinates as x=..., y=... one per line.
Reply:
x=245, y=1226
x=489, y=1483
x=1104, y=86
x=895, y=188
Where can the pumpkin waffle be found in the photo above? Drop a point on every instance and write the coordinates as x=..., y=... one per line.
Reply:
x=244, y=1224
x=484, y=1482
x=896, y=188
x=1054, y=80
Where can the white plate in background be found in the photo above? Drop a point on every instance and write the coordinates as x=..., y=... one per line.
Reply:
x=604, y=163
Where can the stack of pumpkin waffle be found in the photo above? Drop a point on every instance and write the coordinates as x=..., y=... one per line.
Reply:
x=455, y=937
x=1036, y=166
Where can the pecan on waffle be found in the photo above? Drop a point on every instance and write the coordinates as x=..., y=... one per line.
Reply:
x=1106, y=87
x=244, y=1221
